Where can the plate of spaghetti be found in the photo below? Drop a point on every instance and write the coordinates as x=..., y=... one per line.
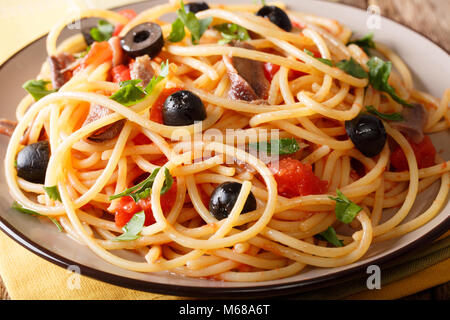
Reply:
x=214, y=148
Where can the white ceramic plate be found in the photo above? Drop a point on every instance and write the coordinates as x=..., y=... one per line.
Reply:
x=423, y=57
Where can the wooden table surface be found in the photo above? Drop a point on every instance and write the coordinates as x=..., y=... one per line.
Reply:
x=428, y=17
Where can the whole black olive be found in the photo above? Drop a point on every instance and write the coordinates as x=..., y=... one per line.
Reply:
x=196, y=7
x=145, y=38
x=183, y=108
x=224, y=197
x=276, y=16
x=32, y=162
x=367, y=133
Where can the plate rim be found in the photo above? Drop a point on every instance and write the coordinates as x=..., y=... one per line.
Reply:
x=261, y=291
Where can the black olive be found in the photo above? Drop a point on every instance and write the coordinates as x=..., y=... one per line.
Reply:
x=86, y=32
x=196, y=7
x=183, y=108
x=224, y=197
x=276, y=16
x=367, y=133
x=86, y=26
x=145, y=38
x=32, y=162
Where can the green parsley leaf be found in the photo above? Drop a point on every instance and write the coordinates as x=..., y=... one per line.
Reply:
x=53, y=193
x=330, y=236
x=345, y=209
x=143, y=189
x=103, y=31
x=379, y=72
x=177, y=33
x=132, y=230
x=352, y=68
x=231, y=31
x=323, y=60
x=366, y=43
x=164, y=72
x=168, y=182
x=277, y=147
x=18, y=207
x=189, y=20
x=130, y=93
x=385, y=116
x=37, y=88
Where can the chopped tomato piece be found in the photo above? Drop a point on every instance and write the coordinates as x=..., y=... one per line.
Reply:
x=298, y=24
x=316, y=52
x=120, y=73
x=160, y=161
x=296, y=179
x=128, y=208
x=270, y=70
x=424, y=151
x=156, y=110
x=128, y=13
x=100, y=52
x=141, y=139
x=294, y=74
x=118, y=28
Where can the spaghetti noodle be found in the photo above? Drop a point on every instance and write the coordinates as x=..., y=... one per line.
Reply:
x=309, y=101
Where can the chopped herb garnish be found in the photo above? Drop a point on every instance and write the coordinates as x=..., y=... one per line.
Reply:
x=330, y=236
x=366, y=43
x=385, y=116
x=326, y=61
x=164, y=72
x=37, y=88
x=103, y=31
x=143, y=189
x=189, y=20
x=345, y=209
x=352, y=68
x=53, y=193
x=379, y=72
x=130, y=93
x=132, y=230
x=276, y=147
x=18, y=207
x=230, y=32
x=177, y=34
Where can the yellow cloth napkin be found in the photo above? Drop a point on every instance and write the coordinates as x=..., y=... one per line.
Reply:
x=28, y=276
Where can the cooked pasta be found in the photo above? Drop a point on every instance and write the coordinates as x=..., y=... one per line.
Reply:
x=225, y=145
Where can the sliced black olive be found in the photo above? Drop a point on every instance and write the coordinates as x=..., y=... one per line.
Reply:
x=32, y=162
x=224, y=197
x=196, y=7
x=86, y=26
x=367, y=133
x=183, y=108
x=276, y=16
x=145, y=38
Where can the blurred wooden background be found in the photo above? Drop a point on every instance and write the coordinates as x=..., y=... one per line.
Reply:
x=428, y=17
